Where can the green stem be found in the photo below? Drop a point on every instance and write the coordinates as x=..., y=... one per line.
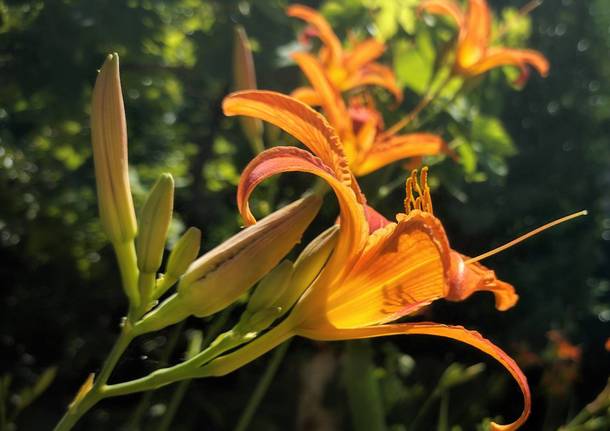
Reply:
x=363, y=393
x=423, y=103
x=182, y=387
x=215, y=367
x=80, y=406
x=423, y=410
x=146, y=285
x=443, y=415
x=126, y=258
x=174, y=403
x=231, y=362
x=134, y=422
x=262, y=387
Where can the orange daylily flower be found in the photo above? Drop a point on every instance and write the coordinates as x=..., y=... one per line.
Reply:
x=475, y=55
x=347, y=69
x=359, y=125
x=372, y=278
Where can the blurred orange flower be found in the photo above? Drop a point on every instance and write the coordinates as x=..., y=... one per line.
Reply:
x=346, y=69
x=563, y=348
x=475, y=55
x=359, y=124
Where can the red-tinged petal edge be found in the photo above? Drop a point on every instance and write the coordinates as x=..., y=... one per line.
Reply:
x=296, y=119
x=458, y=333
x=374, y=219
x=352, y=237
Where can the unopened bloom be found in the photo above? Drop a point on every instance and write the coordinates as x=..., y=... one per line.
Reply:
x=222, y=275
x=372, y=278
x=109, y=139
x=474, y=53
x=280, y=289
x=347, y=69
x=244, y=78
x=184, y=253
x=155, y=218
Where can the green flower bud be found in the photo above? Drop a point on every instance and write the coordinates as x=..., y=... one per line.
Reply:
x=154, y=223
x=307, y=267
x=222, y=275
x=244, y=77
x=281, y=288
x=109, y=140
x=271, y=287
x=184, y=253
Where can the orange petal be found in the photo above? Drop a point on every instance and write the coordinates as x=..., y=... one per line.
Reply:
x=397, y=148
x=374, y=74
x=325, y=32
x=295, y=118
x=363, y=53
x=458, y=333
x=444, y=7
x=474, y=34
x=468, y=278
x=403, y=267
x=331, y=101
x=306, y=95
x=363, y=142
x=497, y=57
x=354, y=229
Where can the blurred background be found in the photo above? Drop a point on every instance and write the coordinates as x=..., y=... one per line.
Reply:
x=526, y=157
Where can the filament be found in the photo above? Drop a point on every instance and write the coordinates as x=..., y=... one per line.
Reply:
x=526, y=236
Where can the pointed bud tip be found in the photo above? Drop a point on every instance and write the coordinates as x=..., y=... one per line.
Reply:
x=166, y=178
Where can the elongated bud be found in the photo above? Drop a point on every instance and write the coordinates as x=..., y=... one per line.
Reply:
x=109, y=139
x=244, y=77
x=184, y=253
x=271, y=287
x=222, y=275
x=154, y=223
x=307, y=267
x=281, y=288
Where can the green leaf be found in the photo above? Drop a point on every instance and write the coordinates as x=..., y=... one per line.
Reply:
x=414, y=62
x=490, y=133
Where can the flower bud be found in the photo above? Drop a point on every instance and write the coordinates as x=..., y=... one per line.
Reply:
x=109, y=140
x=154, y=223
x=222, y=275
x=184, y=253
x=271, y=287
x=307, y=267
x=281, y=288
x=244, y=77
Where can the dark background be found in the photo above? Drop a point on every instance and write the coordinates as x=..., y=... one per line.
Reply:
x=60, y=299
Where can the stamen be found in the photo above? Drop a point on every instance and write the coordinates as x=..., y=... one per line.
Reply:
x=409, y=200
x=426, y=198
x=418, y=192
x=416, y=185
x=526, y=236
